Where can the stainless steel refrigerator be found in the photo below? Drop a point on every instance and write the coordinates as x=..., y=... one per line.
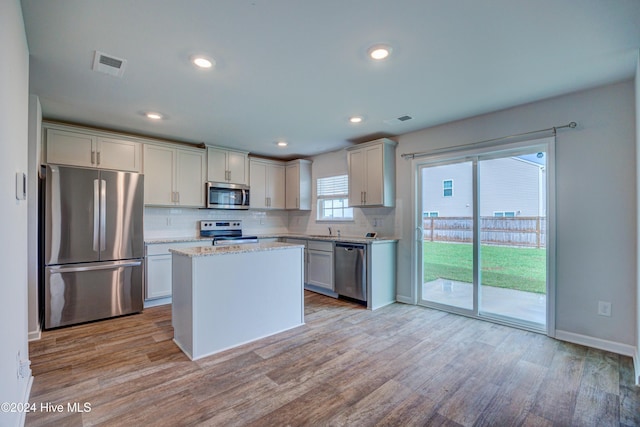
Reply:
x=93, y=244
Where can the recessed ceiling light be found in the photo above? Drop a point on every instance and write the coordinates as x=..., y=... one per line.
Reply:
x=355, y=119
x=154, y=116
x=202, y=61
x=282, y=143
x=379, y=52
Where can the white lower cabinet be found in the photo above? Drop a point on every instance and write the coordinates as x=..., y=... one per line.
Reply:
x=320, y=264
x=157, y=278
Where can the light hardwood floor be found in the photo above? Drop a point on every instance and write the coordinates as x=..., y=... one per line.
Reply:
x=401, y=365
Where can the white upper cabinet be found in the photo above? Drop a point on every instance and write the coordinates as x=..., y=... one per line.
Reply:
x=372, y=173
x=93, y=151
x=267, y=182
x=159, y=175
x=227, y=166
x=174, y=176
x=298, y=185
x=190, y=177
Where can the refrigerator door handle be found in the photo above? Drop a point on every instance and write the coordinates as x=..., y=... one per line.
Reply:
x=106, y=266
x=96, y=214
x=103, y=214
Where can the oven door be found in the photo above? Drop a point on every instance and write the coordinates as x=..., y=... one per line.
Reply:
x=227, y=196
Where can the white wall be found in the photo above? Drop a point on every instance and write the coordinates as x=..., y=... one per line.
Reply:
x=381, y=220
x=35, y=136
x=596, y=223
x=637, y=92
x=14, y=111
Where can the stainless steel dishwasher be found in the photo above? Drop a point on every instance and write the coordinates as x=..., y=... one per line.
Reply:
x=350, y=261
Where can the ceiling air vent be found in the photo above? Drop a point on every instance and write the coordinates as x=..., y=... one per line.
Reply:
x=108, y=64
x=397, y=120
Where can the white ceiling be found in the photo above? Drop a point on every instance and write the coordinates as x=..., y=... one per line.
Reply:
x=297, y=69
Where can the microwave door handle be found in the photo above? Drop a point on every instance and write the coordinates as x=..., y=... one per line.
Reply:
x=245, y=196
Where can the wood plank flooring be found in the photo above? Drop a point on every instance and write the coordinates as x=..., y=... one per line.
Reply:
x=401, y=365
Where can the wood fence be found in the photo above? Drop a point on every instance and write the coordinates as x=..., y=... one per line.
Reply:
x=526, y=231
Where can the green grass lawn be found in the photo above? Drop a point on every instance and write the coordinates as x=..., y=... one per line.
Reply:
x=502, y=266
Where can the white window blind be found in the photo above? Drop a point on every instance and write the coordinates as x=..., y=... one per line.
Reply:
x=333, y=198
x=333, y=186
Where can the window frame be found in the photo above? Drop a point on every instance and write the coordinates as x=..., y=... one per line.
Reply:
x=444, y=188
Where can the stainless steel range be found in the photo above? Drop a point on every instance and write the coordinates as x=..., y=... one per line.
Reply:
x=225, y=232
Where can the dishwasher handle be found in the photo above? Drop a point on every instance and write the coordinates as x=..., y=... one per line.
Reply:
x=350, y=246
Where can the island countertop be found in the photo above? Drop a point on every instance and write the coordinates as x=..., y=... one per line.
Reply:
x=233, y=249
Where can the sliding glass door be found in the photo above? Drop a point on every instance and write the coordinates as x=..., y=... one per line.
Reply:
x=447, y=234
x=483, y=235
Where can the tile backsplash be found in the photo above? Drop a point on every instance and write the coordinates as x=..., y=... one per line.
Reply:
x=183, y=222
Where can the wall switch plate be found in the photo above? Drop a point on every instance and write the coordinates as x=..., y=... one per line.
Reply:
x=604, y=308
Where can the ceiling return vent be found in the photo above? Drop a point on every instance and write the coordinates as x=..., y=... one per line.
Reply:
x=397, y=120
x=108, y=64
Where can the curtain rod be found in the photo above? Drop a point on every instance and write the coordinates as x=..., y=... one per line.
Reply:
x=427, y=153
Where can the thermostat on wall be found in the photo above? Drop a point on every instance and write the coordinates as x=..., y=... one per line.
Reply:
x=371, y=235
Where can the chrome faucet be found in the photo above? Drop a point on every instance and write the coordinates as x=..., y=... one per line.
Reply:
x=330, y=231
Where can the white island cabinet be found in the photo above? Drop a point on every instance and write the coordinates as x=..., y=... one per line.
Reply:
x=226, y=296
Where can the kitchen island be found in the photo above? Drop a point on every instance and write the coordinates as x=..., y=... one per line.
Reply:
x=226, y=296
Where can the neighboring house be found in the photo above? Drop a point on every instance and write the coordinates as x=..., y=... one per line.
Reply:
x=509, y=186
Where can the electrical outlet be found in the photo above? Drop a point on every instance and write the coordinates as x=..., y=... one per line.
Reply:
x=604, y=308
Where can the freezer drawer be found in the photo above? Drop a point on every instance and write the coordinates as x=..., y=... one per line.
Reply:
x=78, y=293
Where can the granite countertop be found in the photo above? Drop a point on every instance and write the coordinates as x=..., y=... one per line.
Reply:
x=233, y=249
x=155, y=240
x=346, y=239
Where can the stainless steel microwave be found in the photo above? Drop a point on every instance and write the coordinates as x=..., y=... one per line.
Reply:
x=221, y=195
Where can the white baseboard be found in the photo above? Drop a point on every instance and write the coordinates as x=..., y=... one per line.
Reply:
x=156, y=302
x=35, y=335
x=404, y=300
x=612, y=346
x=636, y=365
x=27, y=394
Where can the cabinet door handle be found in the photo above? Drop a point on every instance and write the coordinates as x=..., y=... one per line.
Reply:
x=93, y=157
x=98, y=157
x=365, y=197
